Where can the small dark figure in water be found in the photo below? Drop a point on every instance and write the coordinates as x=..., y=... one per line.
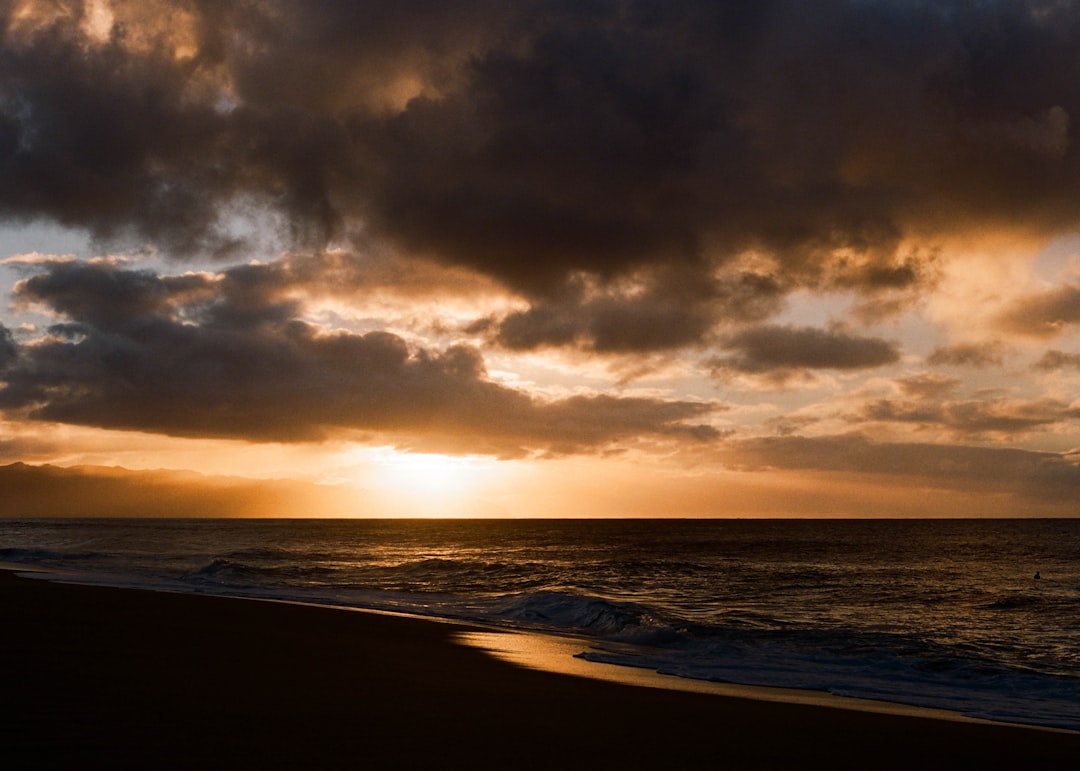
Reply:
x=1037, y=576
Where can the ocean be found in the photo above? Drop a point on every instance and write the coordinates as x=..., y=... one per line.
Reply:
x=935, y=613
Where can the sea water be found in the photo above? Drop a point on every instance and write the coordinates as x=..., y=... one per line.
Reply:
x=935, y=613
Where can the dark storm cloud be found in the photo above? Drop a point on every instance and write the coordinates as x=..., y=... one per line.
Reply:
x=8, y=349
x=977, y=355
x=973, y=419
x=620, y=134
x=190, y=111
x=1038, y=474
x=1055, y=360
x=225, y=355
x=668, y=311
x=107, y=140
x=605, y=326
x=768, y=349
x=1043, y=314
x=538, y=140
x=927, y=385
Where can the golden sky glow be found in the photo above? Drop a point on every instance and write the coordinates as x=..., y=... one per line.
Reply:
x=539, y=259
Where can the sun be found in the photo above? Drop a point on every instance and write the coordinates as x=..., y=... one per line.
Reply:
x=416, y=484
x=395, y=483
x=429, y=474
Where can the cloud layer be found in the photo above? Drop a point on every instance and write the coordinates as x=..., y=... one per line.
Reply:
x=776, y=349
x=465, y=227
x=225, y=355
x=540, y=141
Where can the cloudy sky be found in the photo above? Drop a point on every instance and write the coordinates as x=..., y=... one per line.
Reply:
x=550, y=257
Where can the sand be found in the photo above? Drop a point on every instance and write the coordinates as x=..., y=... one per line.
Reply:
x=120, y=678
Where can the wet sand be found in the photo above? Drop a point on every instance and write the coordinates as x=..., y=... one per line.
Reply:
x=121, y=678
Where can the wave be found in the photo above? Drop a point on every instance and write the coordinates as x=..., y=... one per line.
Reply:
x=583, y=614
x=14, y=554
x=283, y=554
x=1058, y=601
x=227, y=571
x=895, y=668
x=1015, y=603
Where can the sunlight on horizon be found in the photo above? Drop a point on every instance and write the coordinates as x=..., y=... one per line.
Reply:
x=427, y=484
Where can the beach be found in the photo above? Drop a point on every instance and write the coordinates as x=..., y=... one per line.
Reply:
x=131, y=678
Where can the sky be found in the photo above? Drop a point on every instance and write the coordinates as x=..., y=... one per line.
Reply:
x=550, y=257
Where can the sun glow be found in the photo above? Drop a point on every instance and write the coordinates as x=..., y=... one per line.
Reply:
x=429, y=474
x=429, y=484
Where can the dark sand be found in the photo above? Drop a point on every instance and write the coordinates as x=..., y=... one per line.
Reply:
x=110, y=678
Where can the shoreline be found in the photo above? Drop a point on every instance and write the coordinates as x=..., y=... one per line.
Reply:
x=556, y=653
x=136, y=678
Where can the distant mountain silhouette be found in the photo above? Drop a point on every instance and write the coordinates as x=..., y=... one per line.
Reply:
x=108, y=491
